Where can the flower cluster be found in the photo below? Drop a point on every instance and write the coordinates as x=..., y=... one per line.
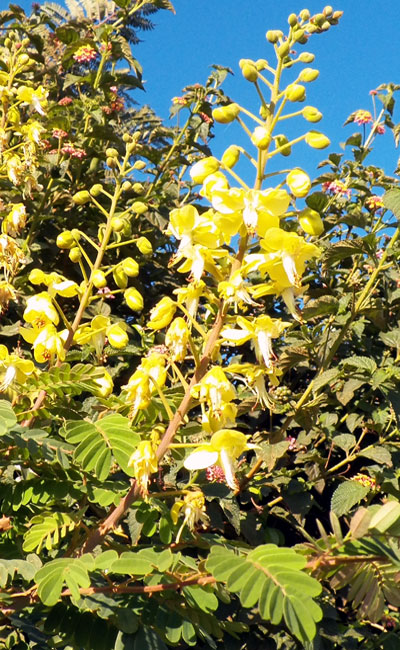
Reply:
x=85, y=54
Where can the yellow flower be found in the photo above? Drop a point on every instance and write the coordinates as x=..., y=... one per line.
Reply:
x=15, y=221
x=144, y=381
x=55, y=283
x=117, y=336
x=33, y=130
x=144, y=463
x=13, y=368
x=134, y=299
x=285, y=258
x=98, y=330
x=235, y=290
x=40, y=310
x=7, y=292
x=214, y=181
x=254, y=377
x=194, y=508
x=176, y=339
x=15, y=169
x=259, y=210
x=223, y=450
x=162, y=313
x=47, y=342
x=260, y=331
x=215, y=389
x=190, y=296
x=299, y=183
x=36, y=98
x=11, y=256
x=105, y=385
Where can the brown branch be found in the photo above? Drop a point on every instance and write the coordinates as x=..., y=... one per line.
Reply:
x=143, y=589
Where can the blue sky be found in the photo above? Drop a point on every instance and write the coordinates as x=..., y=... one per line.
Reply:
x=353, y=58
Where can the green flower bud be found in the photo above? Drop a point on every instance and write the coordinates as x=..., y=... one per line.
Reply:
x=139, y=207
x=8, y=43
x=75, y=254
x=127, y=137
x=325, y=26
x=111, y=162
x=130, y=267
x=292, y=20
x=134, y=299
x=299, y=36
x=226, y=114
x=120, y=277
x=76, y=234
x=328, y=10
x=112, y=153
x=306, y=57
x=308, y=74
x=264, y=112
x=311, y=114
x=126, y=186
x=117, y=224
x=139, y=165
x=82, y=197
x=138, y=188
x=230, y=157
x=249, y=71
x=299, y=183
x=261, y=137
x=280, y=142
x=284, y=49
x=261, y=64
x=273, y=35
x=94, y=164
x=144, y=246
x=99, y=279
x=295, y=93
x=23, y=59
x=96, y=189
x=65, y=240
x=305, y=14
x=318, y=19
x=317, y=140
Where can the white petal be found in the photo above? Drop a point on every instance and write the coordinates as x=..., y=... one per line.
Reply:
x=200, y=459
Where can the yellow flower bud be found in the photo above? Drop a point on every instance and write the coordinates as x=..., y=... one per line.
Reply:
x=65, y=240
x=76, y=234
x=96, y=189
x=273, y=35
x=305, y=14
x=311, y=222
x=250, y=72
x=104, y=385
x=230, y=157
x=261, y=64
x=261, y=137
x=75, y=254
x=328, y=10
x=111, y=162
x=126, y=186
x=112, y=153
x=134, y=299
x=317, y=140
x=311, y=114
x=117, y=337
x=308, y=74
x=117, y=224
x=226, y=114
x=127, y=137
x=284, y=49
x=300, y=36
x=144, y=246
x=120, y=277
x=138, y=188
x=295, y=93
x=139, y=165
x=131, y=267
x=82, y=197
x=306, y=57
x=204, y=168
x=292, y=20
x=139, y=207
x=281, y=142
x=162, y=313
x=299, y=183
x=99, y=279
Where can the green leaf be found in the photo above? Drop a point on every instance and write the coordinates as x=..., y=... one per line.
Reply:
x=51, y=578
x=391, y=200
x=325, y=378
x=272, y=576
x=347, y=495
x=386, y=516
x=344, y=441
x=47, y=529
x=379, y=454
x=7, y=417
x=98, y=442
x=360, y=363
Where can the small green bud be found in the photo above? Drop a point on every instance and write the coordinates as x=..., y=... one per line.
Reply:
x=130, y=267
x=111, y=162
x=120, y=277
x=273, y=35
x=306, y=57
x=76, y=234
x=139, y=165
x=99, y=279
x=299, y=36
x=8, y=43
x=328, y=10
x=308, y=74
x=138, y=188
x=230, y=157
x=305, y=14
x=23, y=59
x=311, y=114
x=284, y=49
x=75, y=254
x=65, y=240
x=292, y=20
x=112, y=153
x=317, y=140
x=226, y=114
x=295, y=93
x=311, y=222
x=318, y=19
x=250, y=73
x=117, y=224
x=82, y=197
x=139, y=207
x=281, y=142
x=126, y=186
x=96, y=189
x=127, y=137
x=144, y=246
x=325, y=26
x=264, y=111
x=94, y=164
x=261, y=64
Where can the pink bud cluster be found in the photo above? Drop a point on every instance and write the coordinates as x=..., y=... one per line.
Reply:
x=85, y=54
x=65, y=101
x=215, y=474
x=59, y=133
x=363, y=117
x=374, y=203
x=365, y=481
x=337, y=188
